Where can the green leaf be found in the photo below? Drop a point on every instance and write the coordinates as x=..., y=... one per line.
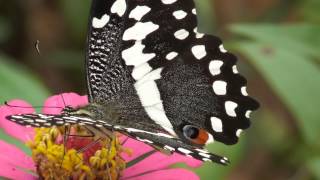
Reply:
x=294, y=78
x=273, y=142
x=302, y=39
x=67, y=59
x=18, y=83
x=310, y=10
x=205, y=16
x=76, y=13
x=314, y=167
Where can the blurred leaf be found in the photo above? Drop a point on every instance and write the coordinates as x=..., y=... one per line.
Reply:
x=310, y=9
x=274, y=141
x=76, y=13
x=205, y=16
x=215, y=171
x=289, y=72
x=19, y=83
x=5, y=32
x=302, y=39
x=314, y=167
x=67, y=59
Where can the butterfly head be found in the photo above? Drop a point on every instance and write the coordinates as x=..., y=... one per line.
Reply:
x=68, y=110
x=94, y=111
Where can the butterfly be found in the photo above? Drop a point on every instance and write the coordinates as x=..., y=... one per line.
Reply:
x=152, y=76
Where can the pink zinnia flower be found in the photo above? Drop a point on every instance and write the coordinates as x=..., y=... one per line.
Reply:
x=14, y=163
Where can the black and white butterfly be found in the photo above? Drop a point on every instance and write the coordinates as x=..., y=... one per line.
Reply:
x=151, y=75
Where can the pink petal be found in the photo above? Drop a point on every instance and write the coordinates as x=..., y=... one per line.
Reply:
x=20, y=132
x=166, y=174
x=10, y=172
x=148, y=164
x=138, y=148
x=12, y=160
x=62, y=100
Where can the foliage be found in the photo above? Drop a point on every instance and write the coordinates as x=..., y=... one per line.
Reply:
x=281, y=45
x=17, y=82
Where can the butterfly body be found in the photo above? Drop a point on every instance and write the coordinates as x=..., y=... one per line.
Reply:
x=152, y=76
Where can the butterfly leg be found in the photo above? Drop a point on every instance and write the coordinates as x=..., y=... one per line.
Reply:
x=65, y=139
x=109, y=149
x=89, y=145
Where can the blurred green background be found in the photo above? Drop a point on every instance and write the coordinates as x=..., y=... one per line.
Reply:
x=277, y=42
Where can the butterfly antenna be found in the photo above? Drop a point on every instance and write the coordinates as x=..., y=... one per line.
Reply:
x=14, y=106
x=124, y=141
x=36, y=45
x=64, y=102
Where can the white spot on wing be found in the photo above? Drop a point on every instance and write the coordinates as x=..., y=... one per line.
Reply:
x=100, y=23
x=181, y=34
x=139, y=31
x=202, y=150
x=199, y=51
x=205, y=155
x=168, y=1
x=29, y=120
x=169, y=148
x=142, y=131
x=238, y=132
x=230, y=108
x=171, y=55
x=194, y=11
x=185, y=151
x=244, y=91
x=214, y=67
x=119, y=7
x=41, y=120
x=147, y=88
x=99, y=125
x=206, y=159
x=210, y=139
x=144, y=140
x=220, y=87
x=140, y=71
x=138, y=12
x=149, y=95
x=134, y=55
x=216, y=124
x=222, y=49
x=180, y=14
x=248, y=113
x=234, y=69
x=198, y=35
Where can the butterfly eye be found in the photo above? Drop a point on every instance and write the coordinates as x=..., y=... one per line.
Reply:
x=195, y=135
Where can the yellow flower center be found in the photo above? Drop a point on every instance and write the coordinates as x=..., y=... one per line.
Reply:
x=79, y=157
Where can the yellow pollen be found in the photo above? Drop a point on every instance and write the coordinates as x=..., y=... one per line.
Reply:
x=97, y=159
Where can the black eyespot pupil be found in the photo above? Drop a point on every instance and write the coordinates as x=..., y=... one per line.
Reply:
x=191, y=132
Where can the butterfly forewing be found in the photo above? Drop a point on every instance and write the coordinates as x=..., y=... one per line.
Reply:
x=174, y=68
x=156, y=139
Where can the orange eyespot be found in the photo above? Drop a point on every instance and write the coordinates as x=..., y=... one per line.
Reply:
x=195, y=135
